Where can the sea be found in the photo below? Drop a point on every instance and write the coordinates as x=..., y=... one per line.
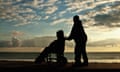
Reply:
x=93, y=57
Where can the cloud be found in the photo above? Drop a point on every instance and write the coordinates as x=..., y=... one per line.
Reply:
x=66, y=21
x=22, y=24
x=106, y=42
x=20, y=11
x=77, y=6
x=26, y=12
x=92, y=12
x=99, y=13
x=51, y=1
x=17, y=33
x=62, y=13
x=51, y=10
x=58, y=21
x=46, y=17
x=41, y=4
x=35, y=2
x=109, y=20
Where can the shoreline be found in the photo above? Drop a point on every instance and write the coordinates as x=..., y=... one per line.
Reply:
x=69, y=61
x=67, y=49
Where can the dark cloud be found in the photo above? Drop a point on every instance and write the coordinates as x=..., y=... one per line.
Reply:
x=108, y=20
x=103, y=19
x=106, y=42
x=105, y=14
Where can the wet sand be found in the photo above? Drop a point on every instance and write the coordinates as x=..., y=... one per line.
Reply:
x=20, y=66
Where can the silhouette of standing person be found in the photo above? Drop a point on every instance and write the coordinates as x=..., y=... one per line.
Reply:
x=79, y=36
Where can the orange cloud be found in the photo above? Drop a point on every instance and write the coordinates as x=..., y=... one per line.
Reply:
x=17, y=33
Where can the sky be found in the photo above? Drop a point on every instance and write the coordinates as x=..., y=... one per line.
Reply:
x=35, y=18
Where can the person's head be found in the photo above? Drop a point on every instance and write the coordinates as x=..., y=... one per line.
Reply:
x=60, y=34
x=76, y=18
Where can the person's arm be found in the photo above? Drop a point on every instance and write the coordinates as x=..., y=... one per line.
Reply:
x=52, y=44
x=68, y=38
x=71, y=35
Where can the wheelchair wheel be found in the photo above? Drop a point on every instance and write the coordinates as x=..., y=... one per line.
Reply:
x=39, y=60
x=62, y=60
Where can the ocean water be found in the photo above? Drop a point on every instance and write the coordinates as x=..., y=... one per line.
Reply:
x=101, y=57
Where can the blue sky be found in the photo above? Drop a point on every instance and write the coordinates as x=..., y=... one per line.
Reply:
x=35, y=18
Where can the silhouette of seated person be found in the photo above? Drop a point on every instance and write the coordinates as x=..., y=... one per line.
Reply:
x=57, y=47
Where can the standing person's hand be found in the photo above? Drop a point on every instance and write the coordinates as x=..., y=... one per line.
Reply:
x=68, y=38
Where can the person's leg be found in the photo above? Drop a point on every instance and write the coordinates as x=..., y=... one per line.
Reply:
x=77, y=52
x=84, y=54
x=77, y=55
x=41, y=57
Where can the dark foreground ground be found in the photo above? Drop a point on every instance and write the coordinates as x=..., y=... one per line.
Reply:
x=23, y=66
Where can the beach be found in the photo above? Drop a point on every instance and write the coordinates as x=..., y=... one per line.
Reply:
x=22, y=59
x=98, y=55
x=20, y=66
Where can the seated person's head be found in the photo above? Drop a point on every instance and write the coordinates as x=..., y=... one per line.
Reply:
x=60, y=34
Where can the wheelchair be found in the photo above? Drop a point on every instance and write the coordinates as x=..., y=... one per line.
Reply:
x=50, y=55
